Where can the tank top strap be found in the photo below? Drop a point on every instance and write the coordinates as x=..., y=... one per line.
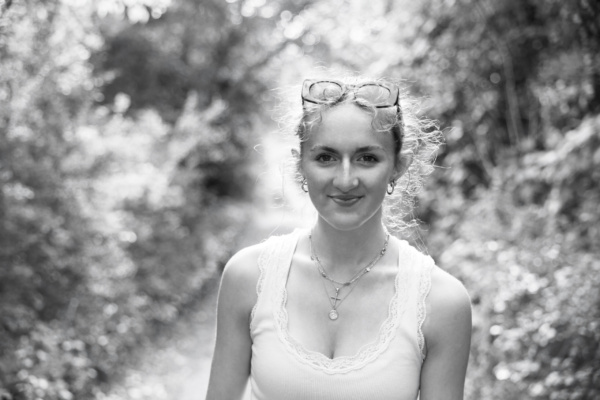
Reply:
x=273, y=261
x=418, y=284
x=424, y=287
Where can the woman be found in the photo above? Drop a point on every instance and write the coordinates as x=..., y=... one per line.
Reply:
x=345, y=311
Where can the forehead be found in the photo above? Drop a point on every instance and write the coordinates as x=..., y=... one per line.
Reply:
x=348, y=126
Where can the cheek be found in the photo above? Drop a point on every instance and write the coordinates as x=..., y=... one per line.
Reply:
x=382, y=185
x=316, y=179
x=308, y=172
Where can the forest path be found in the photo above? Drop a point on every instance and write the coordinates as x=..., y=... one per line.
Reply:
x=177, y=366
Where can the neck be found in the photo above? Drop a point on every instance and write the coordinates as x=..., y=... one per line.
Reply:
x=344, y=252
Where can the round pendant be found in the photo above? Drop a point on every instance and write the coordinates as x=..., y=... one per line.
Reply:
x=333, y=315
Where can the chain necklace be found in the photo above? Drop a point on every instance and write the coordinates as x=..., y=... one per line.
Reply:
x=335, y=300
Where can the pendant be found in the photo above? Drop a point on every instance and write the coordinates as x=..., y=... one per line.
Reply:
x=333, y=315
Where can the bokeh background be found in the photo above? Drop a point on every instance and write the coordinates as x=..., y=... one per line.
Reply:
x=140, y=147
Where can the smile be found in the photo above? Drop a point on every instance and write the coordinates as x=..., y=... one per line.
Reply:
x=345, y=200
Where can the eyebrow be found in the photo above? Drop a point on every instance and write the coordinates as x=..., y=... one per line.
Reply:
x=358, y=150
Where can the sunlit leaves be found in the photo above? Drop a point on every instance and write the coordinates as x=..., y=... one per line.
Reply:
x=136, y=11
x=98, y=231
x=532, y=271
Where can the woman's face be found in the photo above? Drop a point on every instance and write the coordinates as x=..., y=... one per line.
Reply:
x=348, y=165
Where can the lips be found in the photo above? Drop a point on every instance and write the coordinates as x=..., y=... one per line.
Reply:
x=345, y=200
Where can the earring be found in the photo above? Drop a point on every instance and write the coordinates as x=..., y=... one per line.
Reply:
x=391, y=187
x=304, y=185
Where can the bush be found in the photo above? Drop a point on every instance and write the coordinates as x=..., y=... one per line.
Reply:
x=533, y=271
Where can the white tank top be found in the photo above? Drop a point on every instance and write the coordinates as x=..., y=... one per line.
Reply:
x=387, y=368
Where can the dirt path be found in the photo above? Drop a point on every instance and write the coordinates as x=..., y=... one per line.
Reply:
x=178, y=367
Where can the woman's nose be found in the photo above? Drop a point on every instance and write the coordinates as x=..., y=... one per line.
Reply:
x=345, y=178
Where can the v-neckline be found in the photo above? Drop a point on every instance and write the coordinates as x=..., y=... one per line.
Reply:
x=366, y=352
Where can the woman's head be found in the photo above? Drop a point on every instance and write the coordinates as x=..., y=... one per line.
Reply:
x=347, y=166
x=350, y=116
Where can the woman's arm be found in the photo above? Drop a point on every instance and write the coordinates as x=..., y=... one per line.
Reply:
x=237, y=295
x=447, y=331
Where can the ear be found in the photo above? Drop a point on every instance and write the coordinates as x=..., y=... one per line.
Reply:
x=297, y=160
x=403, y=163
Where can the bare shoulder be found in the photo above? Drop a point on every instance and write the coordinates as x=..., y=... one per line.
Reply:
x=448, y=308
x=447, y=331
x=447, y=292
x=243, y=265
x=240, y=278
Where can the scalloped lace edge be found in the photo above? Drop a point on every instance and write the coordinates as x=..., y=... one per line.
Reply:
x=424, y=289
x=263, y=260
x=367, y=352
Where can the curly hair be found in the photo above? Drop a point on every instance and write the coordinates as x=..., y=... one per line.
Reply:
x=415, y=137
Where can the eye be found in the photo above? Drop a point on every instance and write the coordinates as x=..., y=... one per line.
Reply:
x=368, y=159
x=324, y=158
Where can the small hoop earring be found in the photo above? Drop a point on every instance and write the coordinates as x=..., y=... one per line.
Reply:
x=304, y=185
x=391, y=187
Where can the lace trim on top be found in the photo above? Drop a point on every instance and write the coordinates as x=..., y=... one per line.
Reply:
x=424, y=288
x=366, y=353
x=264, y=259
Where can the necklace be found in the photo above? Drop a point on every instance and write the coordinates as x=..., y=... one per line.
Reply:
x=335, y=300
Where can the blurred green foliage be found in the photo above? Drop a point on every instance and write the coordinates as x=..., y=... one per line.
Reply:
x=126, y=163
x=125, y=169
x=532, y=271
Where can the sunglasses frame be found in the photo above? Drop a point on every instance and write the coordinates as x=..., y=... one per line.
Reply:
x=394, y=98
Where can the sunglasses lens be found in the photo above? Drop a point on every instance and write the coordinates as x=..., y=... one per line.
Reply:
x=377, y=95
x=326, y=91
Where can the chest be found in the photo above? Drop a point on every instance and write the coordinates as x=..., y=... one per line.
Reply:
x=370, y=352
x=361, y=309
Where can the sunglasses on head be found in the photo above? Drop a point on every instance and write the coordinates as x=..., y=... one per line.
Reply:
x=378, y=94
